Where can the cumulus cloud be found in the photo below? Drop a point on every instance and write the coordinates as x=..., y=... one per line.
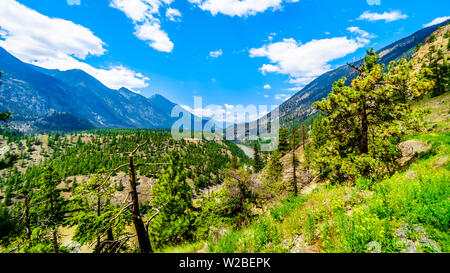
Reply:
x=386, y=16
x=55, y=43
x=158, y=39
x=362, y=35
x=437, y=21
x=146, y=15
x=267, y=86
x=215, y=54
x=304, y=62
x=239, y=8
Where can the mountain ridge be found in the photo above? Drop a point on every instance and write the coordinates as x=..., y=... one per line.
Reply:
x=34, y=94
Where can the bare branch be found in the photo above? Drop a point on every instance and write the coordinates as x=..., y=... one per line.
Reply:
x=115, y=217
x=138, y=147
x=112, y=172
x=14, y=249
x=151, y=218
x=150, y=164
x=359, y=69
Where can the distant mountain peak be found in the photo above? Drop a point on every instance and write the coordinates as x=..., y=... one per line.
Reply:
x=44, y=99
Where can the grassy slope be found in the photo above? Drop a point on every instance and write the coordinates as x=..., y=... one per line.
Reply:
x=408, y=212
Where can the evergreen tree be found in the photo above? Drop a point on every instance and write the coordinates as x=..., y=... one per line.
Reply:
x=361, y=123
x=238, y=198
x=95, y=217
x=437, y=69
x=172, y=196
x=283, y=145
x=303, y=136
x=274, y=168
x=48, y=206
x=294, y=159
x=258, y=163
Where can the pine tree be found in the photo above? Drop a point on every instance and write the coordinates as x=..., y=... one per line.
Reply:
x=172, y=196
x=238, y=197
x=361, y=122
x=274, y=168
x=437, y=69
x=303, y=135
x=283, y=145
x=95, y=217
x=294, y=159
x=48, y=206
x=258, y=163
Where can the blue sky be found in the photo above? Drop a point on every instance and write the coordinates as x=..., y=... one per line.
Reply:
x=253, y=52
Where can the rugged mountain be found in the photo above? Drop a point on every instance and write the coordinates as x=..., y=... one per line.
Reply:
x=43, y=99
x=300, y=106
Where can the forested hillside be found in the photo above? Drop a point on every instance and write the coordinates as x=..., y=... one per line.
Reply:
x=76, y=169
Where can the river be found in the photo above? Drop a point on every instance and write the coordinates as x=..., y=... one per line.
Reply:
x=248, y=151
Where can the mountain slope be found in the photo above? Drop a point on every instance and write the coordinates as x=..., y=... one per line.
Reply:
x=35, y=94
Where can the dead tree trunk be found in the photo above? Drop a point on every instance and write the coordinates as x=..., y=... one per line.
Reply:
x=97, y=247
x=141, y=229
x=303, y=136
x=294, y=162
x=27, y=217
x=364, y=148
x=142, y=234
x=55, y=240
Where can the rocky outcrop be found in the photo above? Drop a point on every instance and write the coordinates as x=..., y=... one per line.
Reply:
x=410, y=150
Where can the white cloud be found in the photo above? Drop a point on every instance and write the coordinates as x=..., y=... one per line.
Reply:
x=363, y=36
x=136, y=10
x=304, y=62
x=283, y=97
x=374, y=2
x=145, y=15
x=55, y=43
x=239, y=8
x=157, y=38
x=386, y=16
x=301, y=81
x=294, y=89
x=360, y=32
x=267, y=86
x=215, y=54
x=437, y=21
x=173, y=14
x=266, y=96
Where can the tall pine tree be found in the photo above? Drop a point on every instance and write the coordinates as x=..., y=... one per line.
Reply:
x=361, y=123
